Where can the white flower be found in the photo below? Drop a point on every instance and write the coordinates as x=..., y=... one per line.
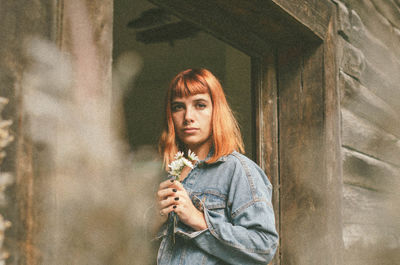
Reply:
x=178, y=155
x=180, y=162
x=187, y=162
x=192, y=156
x=176, y=167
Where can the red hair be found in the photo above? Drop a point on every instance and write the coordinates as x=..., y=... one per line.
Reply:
x=226, y=136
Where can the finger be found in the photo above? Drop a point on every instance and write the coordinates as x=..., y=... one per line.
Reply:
x=168, y=202
x=162, y=194
x=167, y=210
x=182, y=196
x=177, y=185
x=177, y=209
x=165, y=184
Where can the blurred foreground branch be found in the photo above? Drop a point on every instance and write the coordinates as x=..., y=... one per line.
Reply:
x=98, y=195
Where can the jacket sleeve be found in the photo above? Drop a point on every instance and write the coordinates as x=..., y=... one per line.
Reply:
x=248, y=235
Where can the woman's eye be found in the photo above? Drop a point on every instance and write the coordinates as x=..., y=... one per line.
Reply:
x=201, y=105
x=176, y=107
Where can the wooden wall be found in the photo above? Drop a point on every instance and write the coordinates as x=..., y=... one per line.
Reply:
x=369, y=81
x=368, y=54
x=20, y=22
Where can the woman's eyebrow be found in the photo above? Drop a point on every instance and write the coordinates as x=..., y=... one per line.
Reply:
x=200, y=99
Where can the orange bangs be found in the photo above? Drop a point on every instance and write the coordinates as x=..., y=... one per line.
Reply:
x=186, y=84
x=226, y=136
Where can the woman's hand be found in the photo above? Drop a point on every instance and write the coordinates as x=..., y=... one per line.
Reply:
x=172, y=196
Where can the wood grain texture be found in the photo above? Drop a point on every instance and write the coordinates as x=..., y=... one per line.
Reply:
x=370, y=100
x=362, y=135
x=364, y=206
x=370, y=217
x=333, y=157
x=252, y=26
x=343, y=20
x=17, y=25
x=376, y=52
x=379, y=81
x=219, y=22
x=304, y=189
x=351, y=59
x=370, y=59
x=389, y=9
x=375, y=23
x=314, y=14
x=368, y=105
x=369, y=173
x=266, y=109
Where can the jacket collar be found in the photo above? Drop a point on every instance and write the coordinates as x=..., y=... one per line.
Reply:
x=210, y=154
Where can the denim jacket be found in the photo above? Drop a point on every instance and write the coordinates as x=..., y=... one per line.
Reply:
x=235, y=196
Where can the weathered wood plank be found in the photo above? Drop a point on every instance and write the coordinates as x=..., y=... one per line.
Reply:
x=304, y=189
x=343, y=20
x=382, y=84
x=389, y=9
x=379, y=26
x=220, y=22
x=269, y=20
x=252, y=26
x=369, y=236
x=369, y=173
x=370, y=217
x=375, y=50
x=351, y=59
x=370, y=61
x=364, y=206
x=265, y=99
x=367, y=105
x=266, y=109
x=369, y=244
x=380, y=77
x=333, y=154
x=314, y=14
x=16, y=26
x=361, y=135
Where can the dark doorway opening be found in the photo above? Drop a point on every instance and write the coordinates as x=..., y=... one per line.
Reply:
x=164, y=45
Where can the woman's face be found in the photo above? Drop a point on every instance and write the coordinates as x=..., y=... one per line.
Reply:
x=192, y=117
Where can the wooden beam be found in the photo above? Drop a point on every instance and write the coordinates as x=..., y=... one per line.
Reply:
x=265, y=98
x=314, y=14
x=309, y=153
x=252, y=26
x=332, y=146
x=220, y=22
x=301, y=123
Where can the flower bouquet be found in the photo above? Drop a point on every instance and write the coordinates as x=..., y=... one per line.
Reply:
x=175, y=172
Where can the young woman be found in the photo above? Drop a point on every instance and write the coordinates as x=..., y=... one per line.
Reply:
x=223, y=205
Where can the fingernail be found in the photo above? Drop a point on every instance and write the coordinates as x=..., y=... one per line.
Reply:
x=174, y=190
x=172, y=180
x=176, y=198
x=174, y=207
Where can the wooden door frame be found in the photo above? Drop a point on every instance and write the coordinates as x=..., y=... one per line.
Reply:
x=296, y=108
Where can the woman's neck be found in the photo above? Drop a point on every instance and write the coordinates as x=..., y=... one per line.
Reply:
x=202, y=150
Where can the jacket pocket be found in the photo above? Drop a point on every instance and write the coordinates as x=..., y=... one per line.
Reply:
x=211, y=200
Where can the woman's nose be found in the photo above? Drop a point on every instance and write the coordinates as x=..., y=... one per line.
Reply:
x=189, y=115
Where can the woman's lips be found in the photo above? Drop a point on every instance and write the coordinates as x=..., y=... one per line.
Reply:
x=190, y=130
